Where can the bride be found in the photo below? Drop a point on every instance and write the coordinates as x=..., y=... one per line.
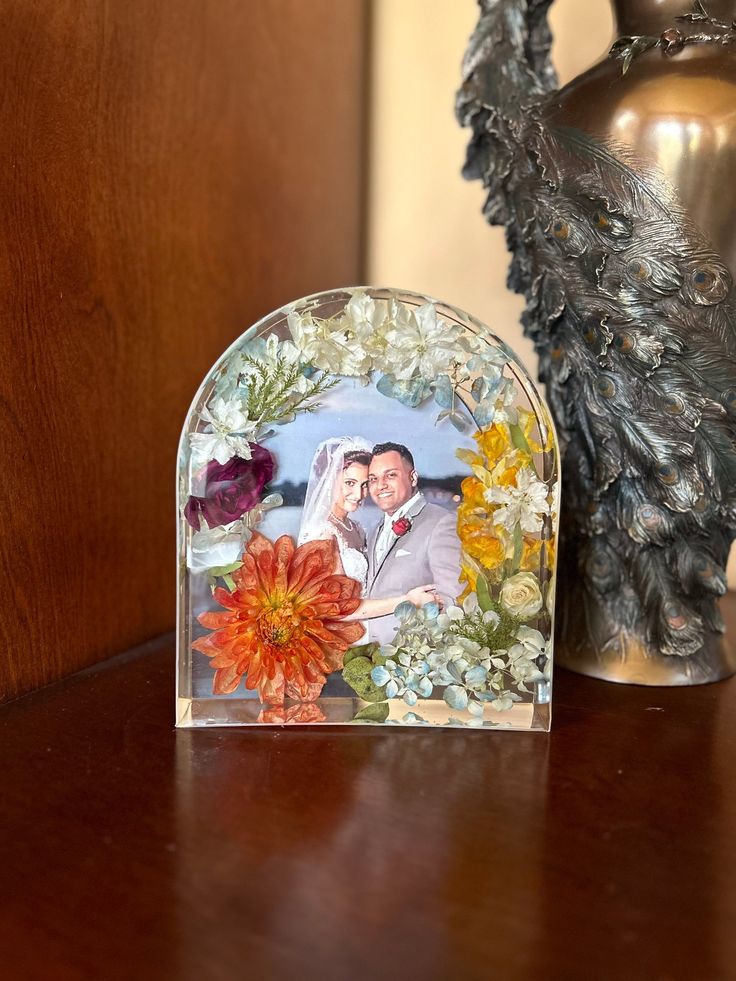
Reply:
x=338, y=480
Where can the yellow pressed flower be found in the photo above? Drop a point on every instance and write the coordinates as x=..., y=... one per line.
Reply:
x=467, y=591
x=481, y=543
x=507, y=477
x=529, y=422
x=530, y=554
x=472, y=490
x=550, y=551
x=505, y=471
x=494, y=442
x=469, y=571
x=506, y=451
x=467, y=456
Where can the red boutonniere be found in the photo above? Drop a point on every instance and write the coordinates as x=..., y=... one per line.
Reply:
x=400, y=526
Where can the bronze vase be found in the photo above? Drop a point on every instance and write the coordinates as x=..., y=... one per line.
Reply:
x=617, y=195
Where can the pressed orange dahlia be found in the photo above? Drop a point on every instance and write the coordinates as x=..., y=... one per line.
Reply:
x=282, y=626
x=298, y=714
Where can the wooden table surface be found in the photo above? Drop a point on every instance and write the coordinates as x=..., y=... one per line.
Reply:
x=603, y=850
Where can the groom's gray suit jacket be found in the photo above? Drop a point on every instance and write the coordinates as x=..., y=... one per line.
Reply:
x=428, y=552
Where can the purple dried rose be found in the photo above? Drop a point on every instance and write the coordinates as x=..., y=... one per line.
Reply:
x=231, y=489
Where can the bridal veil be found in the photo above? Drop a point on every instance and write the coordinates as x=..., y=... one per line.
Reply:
x=327, y=466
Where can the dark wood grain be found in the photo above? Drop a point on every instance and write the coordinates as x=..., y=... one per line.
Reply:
x=172, y=170
x=602, y=851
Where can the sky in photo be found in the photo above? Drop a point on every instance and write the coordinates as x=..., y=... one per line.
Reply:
x=351, y=409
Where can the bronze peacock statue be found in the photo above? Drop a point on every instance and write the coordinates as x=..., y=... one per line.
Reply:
x=633, y=316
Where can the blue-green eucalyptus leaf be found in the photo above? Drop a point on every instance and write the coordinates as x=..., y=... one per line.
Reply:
x=456, y=697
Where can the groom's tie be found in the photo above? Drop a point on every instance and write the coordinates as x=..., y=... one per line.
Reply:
x=383, y=543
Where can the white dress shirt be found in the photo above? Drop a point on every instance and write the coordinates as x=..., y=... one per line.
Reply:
x=387, y=536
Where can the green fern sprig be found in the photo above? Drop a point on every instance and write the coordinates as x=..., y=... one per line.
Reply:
x=495, y=638
x=270, y=394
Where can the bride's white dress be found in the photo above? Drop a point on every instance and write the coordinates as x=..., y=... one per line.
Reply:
x=318, y=520
x=355, y=564
x=354, y=560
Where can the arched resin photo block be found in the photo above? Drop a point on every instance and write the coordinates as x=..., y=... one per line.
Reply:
x=368, y=486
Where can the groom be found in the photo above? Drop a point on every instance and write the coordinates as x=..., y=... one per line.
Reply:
x=415, y=544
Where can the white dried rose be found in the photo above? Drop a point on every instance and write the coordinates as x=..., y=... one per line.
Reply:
x=521, y=595
x=215, y=547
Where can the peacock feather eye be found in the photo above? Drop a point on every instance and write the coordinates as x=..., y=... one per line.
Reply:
x=703, y=567
x=624, y=341
x=703, y=280
x=675, y=616
x=673, y=405
x=605, y=387
x=700, y=505
x=599, y=565
x=639, y=269
x=649, y=516
x=709, y=283
x=601, y=220
x=561, y=229
x=590, y=334
x=668, y=473
x=729, y=399
x=557, y=349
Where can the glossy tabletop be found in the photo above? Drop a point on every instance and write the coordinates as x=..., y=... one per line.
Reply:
x=602, y=850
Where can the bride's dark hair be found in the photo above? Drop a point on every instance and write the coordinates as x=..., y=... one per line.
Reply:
x=356, y=456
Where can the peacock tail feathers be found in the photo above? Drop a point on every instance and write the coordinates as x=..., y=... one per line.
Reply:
x=633, y=316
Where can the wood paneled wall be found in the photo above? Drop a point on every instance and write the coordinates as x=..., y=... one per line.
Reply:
x=171, y=171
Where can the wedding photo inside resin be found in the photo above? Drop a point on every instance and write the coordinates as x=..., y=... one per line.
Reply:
x=367, y=498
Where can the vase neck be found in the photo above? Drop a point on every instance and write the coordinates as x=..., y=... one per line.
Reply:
x=654, y=16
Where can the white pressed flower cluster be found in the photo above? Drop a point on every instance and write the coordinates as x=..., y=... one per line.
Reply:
x=524, y=504
x=266, y=369
x=392, y=338
x=531, y=645
x=505, y=404
x=415, y=350
x=229, y=435
x=384, y=335
x=486, y=359
x=328, y=344
x=364, y=322
x=419, y=343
